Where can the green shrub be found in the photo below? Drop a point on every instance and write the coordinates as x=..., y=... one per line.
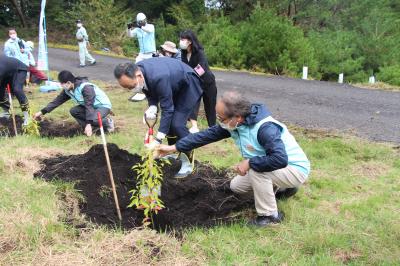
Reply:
x=390, y=74
x=335, y=53
x=104, y=21
x=272, y=43
x=221, y=41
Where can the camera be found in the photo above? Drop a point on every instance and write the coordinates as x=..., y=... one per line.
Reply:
x=131, y=25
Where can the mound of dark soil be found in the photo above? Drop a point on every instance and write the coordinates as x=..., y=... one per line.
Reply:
x=66, y=129
x=199, y=199
x=48, y=128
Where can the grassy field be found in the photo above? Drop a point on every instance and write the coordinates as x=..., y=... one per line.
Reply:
x=347, y=213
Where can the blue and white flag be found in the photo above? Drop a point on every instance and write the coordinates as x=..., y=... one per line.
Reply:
x=43, y=62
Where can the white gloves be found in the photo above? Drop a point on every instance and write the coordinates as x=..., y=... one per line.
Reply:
x=151, y=112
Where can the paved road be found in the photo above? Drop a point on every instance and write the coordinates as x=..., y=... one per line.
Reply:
x=371, y=114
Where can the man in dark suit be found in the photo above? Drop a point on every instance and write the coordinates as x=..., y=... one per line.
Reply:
x=13, y=72
x=169, y=85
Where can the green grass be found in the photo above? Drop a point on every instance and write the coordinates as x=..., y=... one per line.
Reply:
x=378, y=86
x=347, y=212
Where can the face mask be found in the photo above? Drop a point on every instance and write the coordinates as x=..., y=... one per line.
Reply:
x=139, y=87
x=183, y=44
x=79, y=25
x=227, y=126
x=67, y=86
x=13, y=36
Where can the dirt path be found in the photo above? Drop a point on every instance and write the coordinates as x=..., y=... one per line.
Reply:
x=370, y=114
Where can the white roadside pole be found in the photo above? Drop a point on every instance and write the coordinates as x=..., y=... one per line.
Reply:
x=371, y=80
x=341, y=76
x=305, y=72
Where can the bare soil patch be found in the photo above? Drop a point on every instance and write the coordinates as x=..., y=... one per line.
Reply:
x=197, y=200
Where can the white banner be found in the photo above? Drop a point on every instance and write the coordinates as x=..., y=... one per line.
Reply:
x=43, y=62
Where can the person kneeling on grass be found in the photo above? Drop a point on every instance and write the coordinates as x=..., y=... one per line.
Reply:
x=272, y=157
x=90, y=99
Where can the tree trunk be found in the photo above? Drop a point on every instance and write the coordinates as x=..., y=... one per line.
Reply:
x=292, y=11
x=19, y=12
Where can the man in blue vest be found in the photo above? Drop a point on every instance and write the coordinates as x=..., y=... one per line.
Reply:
x=174, y=87
x=89, y=98
x=272, y=157
x=145, y=34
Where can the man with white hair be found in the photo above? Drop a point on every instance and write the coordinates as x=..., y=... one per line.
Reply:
x=145, y=34
x=272, y=158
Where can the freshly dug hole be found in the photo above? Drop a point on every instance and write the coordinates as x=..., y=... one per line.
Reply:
x=48, y=128
x=199, y=199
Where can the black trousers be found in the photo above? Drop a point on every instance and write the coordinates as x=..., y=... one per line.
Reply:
x=79, y=113
x=17, y=88
x=209, y=101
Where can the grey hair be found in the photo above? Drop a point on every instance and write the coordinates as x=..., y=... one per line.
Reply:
x=235, y=104
x=127, y=69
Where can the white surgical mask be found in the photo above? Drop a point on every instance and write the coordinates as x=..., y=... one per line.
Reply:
x=183, y=44
x=13, y=36
x=67, y=86
x=79, y=25
x=139, y=87
x=227, y=126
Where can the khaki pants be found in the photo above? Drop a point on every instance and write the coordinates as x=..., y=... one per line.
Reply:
x=262, y=186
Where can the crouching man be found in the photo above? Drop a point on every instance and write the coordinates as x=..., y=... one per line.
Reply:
x=272, y=157
x=89, y=98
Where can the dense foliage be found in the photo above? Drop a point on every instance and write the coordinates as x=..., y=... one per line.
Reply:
x=359, y=38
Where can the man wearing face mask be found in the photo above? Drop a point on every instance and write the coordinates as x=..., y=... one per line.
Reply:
x=145, y=34
x=272, y=157
x=171, y=85
x=15, y=47
x=89, y=98
x=83, y=41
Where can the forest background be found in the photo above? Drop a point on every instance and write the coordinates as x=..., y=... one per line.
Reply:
x=359, y=38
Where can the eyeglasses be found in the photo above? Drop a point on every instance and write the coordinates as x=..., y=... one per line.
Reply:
x=220, y=119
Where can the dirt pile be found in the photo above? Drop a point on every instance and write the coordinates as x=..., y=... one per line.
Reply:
x=200, y=199
x=48, y=128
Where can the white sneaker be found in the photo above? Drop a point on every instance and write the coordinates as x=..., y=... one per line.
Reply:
x=137, y=97
x=110, y=125
x=27, y=118
x=194, y=130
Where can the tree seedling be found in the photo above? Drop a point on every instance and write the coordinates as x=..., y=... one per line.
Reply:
x=146, y=195
x=32, y=128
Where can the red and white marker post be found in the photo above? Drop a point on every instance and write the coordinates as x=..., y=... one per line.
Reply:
x=12, y=109
x=109, y=165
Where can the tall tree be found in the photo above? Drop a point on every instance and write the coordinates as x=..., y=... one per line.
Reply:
x=17, y=5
